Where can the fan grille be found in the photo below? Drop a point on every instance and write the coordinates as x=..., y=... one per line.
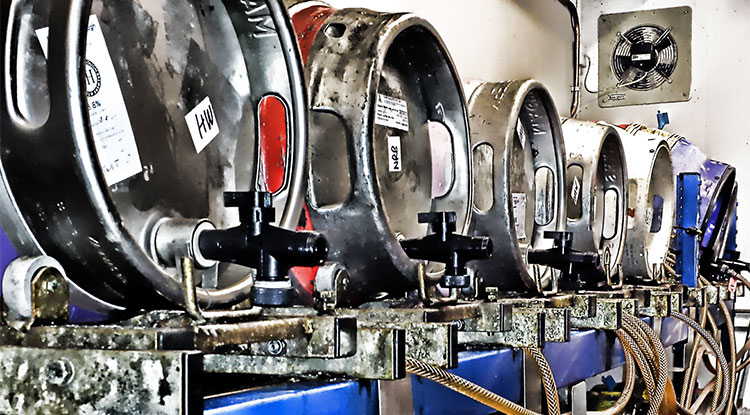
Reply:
x=644, y=57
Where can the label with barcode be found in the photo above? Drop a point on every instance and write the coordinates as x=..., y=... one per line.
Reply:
x=392, y=112
x=394, y=153
x=519, y=214
x=202, y=124
x=115, y=143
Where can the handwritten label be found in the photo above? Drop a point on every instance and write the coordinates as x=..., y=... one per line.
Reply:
x=202, y=124
x=519, y=214
x=113, y=134
x=394, y=153
x=392, y=112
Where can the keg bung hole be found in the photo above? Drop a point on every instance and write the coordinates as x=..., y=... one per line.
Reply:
x=544, y=183
x=611, y=213
x=335, y=30
x=273, y=144
x=484, y=177
x=441, y=150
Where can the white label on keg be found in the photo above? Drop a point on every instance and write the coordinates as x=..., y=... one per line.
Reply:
x=575, y=190
x=519, y=214
x=394, y=153
x=113, y=134
x=521, y=131
x=392, y=112
x=202, y=124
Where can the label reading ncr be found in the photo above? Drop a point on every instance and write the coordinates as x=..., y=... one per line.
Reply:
x=115, y=143
x=202, y=124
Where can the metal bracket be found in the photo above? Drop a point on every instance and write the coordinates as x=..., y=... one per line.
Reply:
x=49, y=382
x=35, y=291
x=380, y=355
x=527, y=330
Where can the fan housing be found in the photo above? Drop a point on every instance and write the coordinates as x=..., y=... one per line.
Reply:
x=644, y=57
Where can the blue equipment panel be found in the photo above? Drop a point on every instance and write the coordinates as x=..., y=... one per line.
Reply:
x=686, y=227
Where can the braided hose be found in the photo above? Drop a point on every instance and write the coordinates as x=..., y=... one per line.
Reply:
x=548, y=380
x=688, y=386
x=627, y=391
x=629, y=345
x=655, y=355
x=717, y=387
x=724, y=367
x=465, y=387
x=732, y=356
x=660, y=357
x=694, y=368
x=702, y=396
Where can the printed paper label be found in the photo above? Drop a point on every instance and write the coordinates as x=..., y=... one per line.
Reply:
x=519, y=214
x=110, y=124
x=575, y=190
x=392, y=112
x=394, y=153
x=521, y=131
x=202, y=124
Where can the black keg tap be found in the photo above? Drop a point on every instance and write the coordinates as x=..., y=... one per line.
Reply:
x=257, y=244
x=577, y=267
x=445, y=246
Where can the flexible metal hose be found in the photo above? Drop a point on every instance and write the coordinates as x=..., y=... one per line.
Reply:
x=702, y=396
x=732, y=356
x=724, y=367
x=548, y=380
x=688, y=386
x=722, y=374
x=465, y=387
x=694, y=367
x=627, y=390
x=658, y=359
x=628, y=344
x=681, y=410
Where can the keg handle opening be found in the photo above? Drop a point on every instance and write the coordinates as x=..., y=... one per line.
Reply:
x=575, y=265
x=257, y=244
x=445, y=246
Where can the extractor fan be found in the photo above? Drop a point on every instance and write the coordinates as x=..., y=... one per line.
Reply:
x=644, y=57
